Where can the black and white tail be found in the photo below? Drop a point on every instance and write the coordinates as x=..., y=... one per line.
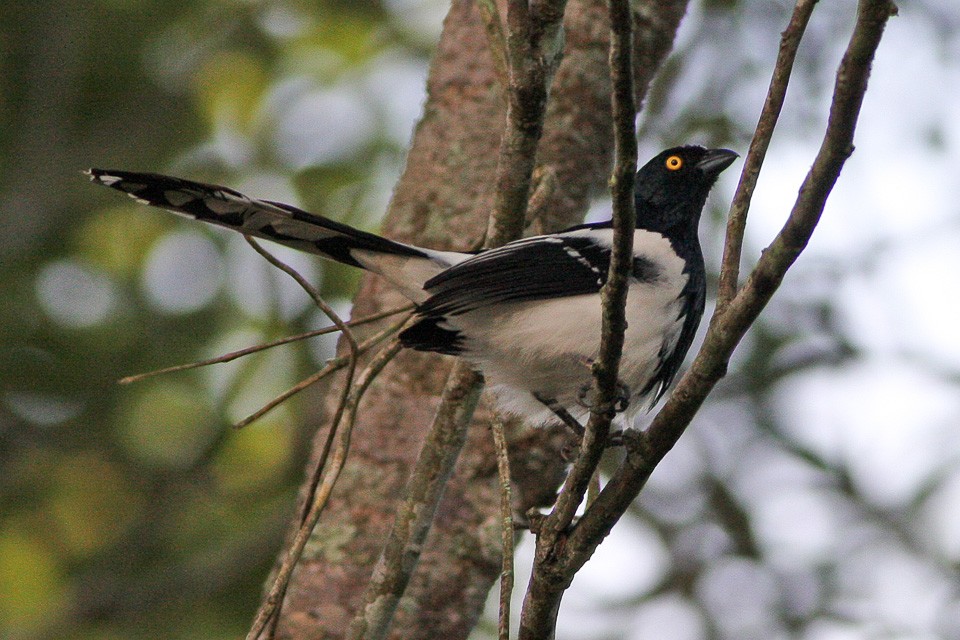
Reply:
x=408, y=267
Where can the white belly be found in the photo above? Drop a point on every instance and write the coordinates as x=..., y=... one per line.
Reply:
x=546, y=346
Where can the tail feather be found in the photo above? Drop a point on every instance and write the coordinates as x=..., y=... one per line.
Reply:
x=274, y=221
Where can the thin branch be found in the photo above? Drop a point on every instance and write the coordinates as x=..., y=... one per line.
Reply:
x=334, y=364
x=542, y=601
x=728, y=328
x=737, y=220
x=271, y=606
x=614, y=293
x=315, y=478
x=233, y=355
x=311, y=291
x=415, y=515
x=534, y=46
x=321, y=495
x=506, y=526
x=496, y=40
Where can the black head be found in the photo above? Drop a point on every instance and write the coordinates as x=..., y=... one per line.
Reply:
x=672, y=188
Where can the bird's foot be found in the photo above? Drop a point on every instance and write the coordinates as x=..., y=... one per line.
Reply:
x=568, y=453
x=620, y=403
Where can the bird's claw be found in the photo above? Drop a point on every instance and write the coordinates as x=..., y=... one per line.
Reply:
x=620, y=403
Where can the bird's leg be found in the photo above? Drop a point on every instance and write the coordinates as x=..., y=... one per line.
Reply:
x=621, y=401
x=614, y=440
x=558, y=410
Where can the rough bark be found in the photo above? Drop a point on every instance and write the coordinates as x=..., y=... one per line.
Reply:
x=442, y=201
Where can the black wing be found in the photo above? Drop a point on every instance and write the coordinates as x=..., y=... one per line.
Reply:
x=536, y=268
x=533, y=269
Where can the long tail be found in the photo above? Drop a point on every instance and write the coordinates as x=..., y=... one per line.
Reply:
x=261, y=218
x=408, y=267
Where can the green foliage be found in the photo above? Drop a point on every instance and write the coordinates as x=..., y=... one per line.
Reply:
x=135, y=511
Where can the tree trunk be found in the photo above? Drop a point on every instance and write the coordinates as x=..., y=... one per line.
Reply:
x=442, y=201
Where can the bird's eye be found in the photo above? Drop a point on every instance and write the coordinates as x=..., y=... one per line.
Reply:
x=674, y=162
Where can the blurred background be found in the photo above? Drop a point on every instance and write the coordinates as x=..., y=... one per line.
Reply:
x=816, y=496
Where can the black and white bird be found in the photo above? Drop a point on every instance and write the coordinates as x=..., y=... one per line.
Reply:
x=526, y=314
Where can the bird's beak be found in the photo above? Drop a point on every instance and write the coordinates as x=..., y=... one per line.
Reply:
x=715, y=161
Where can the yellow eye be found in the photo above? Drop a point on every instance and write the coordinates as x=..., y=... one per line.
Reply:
x=674, y=162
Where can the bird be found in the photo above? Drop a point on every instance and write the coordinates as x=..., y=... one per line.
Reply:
x=527, y=314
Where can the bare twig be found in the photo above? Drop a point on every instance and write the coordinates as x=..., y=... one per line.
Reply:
x=737, y=220
x=337, y=321
x=414, y=516
x=271, y=604
x=506, y=526
x=233, y=355
x=727, y=328
x=614, y=293
x=311, y=291
x=335, y=364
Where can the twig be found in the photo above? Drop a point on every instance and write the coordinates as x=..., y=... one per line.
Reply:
x=737, y=220
x=340, y=324
x=233, y=355
x=415, y=515
x=312, y=488
x=311, y=291
x=335, y=364
x=726, y=329
x=545, y=589
x=506, y=526
x=271, y=603
x=614, y=293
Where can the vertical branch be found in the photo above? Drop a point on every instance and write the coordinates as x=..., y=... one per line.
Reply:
x=737, y=220
x=269, y=610
x=534, y=45
x=728, y=328
x=434, y=466
x=506, y=526
x=545, y=589
x=320, y=494
x=614, y=293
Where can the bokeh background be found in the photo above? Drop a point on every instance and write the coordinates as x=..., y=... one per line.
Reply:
x=816, y=496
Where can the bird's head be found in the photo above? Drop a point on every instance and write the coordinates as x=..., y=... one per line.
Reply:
x=672, y=188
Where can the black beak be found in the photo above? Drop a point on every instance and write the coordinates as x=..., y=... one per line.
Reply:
x=715, y=161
